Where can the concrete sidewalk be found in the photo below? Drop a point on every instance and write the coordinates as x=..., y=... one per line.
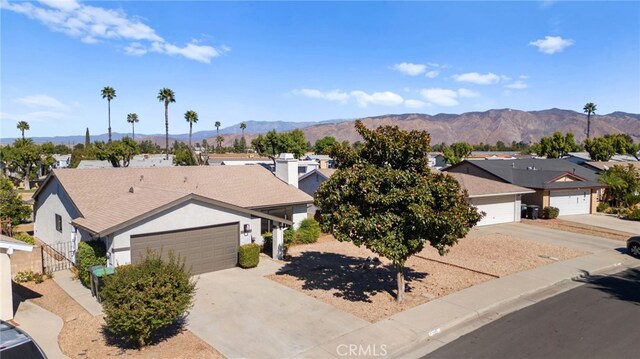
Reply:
x=420, y=330
x=78, y=292
x=42, y=325
x=606, y=221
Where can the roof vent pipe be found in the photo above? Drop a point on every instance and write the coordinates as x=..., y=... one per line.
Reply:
x=130, y=189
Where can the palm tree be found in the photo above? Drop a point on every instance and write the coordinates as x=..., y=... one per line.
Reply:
x=23, y=126
x=166, y=95
x=132, y=118
x=589, y=109
x=191, y=117
x=109, y=93
x=217, y=124
x=243, y=126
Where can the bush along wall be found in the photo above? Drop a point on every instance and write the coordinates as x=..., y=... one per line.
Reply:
x=550, y=212
x=249, y=255
x=89, y=254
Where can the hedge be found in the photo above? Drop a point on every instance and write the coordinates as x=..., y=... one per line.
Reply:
x=308, y=232
x=634, y=215
x=23, y=237
x=89, y=254
x=249, y=255
x=550, y=212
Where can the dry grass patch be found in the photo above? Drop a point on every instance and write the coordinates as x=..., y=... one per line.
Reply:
x=580, y=228
x=340, y=274
x=82, y=334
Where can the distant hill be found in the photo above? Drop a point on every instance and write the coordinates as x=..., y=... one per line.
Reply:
x=504, y=125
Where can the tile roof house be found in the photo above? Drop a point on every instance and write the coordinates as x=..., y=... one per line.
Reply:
x=194, y=210
x=556, y=182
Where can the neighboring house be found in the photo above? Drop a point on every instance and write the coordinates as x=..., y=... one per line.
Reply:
x=310, y=182
x=436, y=160
x=325, y=161
x=556, y=182
x=204, y=213
x=499, y=200
x=582, y=157
x=138, y=161
x=306, y=166
x=600, y=166
x=61, y=161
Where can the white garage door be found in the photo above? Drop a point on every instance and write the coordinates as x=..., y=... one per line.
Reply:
x=499, y=209
x=571, y=202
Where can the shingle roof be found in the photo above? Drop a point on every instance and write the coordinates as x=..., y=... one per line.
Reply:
x=536, y=173
x=483, y=187
x=109, y=196
x=601, y=165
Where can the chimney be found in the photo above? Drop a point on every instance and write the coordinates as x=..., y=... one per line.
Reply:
x=287, y=169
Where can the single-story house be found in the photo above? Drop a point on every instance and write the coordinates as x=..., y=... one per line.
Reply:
x=325, y=161
x=7, y=246
x=556, y=182
x=138, y=161
x=582, y=157
x=202, y=212
x=61, y=161
x=601, y=166
x=311, y=181
x=499, y=200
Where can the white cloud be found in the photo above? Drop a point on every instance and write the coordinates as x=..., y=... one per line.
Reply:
x=552, y=44
x=415, y=104
x=410, y=69
x=446, y=97
x=92, y=24
x=462, y=92
x=441, y=97
x=39, y=101
x=478, y=78
x=386, y=98
x=363, y=99
x=517, y=85
x=432, y=74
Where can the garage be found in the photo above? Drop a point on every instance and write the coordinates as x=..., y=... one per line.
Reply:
x=205, y=249
x=499, y=209
x=571, y=202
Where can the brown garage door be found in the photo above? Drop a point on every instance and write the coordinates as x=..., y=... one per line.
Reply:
x=205, y=249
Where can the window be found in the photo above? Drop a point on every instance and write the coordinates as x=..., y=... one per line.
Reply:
x=59, y=223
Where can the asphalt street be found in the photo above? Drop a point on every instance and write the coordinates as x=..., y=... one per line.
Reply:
x=600, y=319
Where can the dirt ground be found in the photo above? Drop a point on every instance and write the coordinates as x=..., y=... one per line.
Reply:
x=340, y=274
x=574, y=227
x=82, y=334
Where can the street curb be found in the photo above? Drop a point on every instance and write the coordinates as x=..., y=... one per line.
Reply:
x=420, y=347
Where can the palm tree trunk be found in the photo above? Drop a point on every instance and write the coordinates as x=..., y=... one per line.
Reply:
x=166, y=126
x=190, y=129
x=588, y=124
x=133, y=131
x=22, y=133
x=109, y=111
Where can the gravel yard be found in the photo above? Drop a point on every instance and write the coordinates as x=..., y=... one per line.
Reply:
x=339, y=273
x=82, y=334
x=579, y=228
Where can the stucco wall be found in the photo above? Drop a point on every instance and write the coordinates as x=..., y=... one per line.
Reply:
x=299, y=213
x=23, y=261
x=53, y=200
x=189, y=215
x=310, y=184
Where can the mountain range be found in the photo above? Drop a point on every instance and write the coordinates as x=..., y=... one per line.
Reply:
x=504, y=125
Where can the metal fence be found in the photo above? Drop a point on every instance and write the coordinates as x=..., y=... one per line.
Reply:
x=57, y=256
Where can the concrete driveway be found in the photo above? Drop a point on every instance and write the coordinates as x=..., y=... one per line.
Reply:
x=244, y=315
x=605, y=221
x=552, y=236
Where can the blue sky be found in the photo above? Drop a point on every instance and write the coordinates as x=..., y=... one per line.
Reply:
x=308, y=61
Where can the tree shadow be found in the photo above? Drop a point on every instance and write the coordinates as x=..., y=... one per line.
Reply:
x=21, y=294
x=622, y=286
x=355, y=279
x=161, y=335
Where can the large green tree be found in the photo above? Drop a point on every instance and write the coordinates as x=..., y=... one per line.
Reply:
x=167, y=96
x=23, y=158
x=457, y=152
x=323, y=145
x=599, y=148
x=109, y=93
x=23, y=126
x=274, y=143
x=119, y=153
x=11, y=204
x=557, y=145
x=589, y=109
x=622, y=182
x=132, y=118
x=385, y=197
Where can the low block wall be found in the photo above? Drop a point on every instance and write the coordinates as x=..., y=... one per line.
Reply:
x=26, y=261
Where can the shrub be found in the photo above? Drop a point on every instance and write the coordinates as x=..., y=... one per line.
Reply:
x=249, y=255
x=602, y=207
x=25, y=238
x=308, y=232
x=288, y=240
x=23, y=277
x=634, y=215
x=141, y=299
x=89, y=254
x=550, y=212
x=267, y=244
